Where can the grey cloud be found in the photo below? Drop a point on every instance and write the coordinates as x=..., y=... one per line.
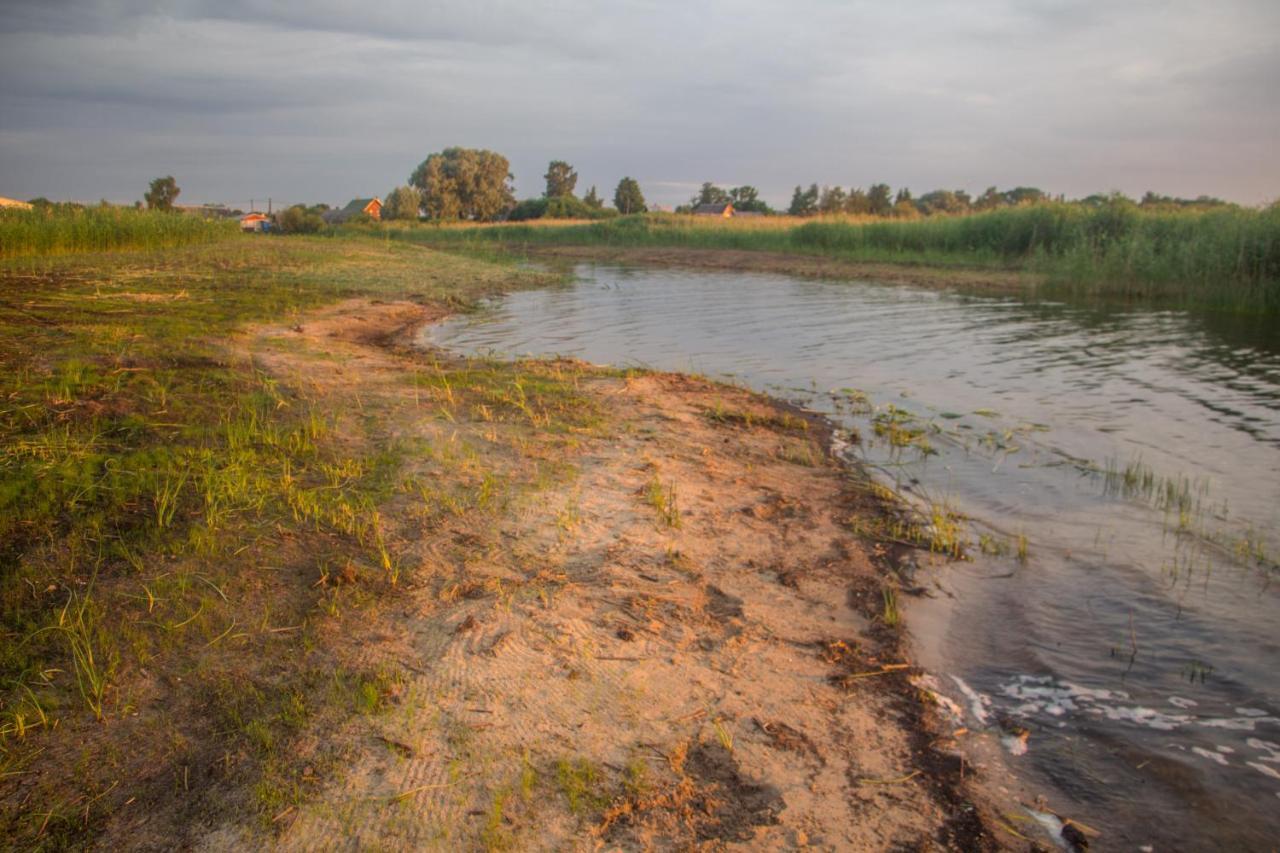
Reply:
x=339, y=99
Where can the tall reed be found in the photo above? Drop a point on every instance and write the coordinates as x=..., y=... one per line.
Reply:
x=1226, y=258
x=57, y=231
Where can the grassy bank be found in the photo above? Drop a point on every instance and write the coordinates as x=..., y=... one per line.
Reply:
x=102, y=229
x=175, y=526
x=1224, y=258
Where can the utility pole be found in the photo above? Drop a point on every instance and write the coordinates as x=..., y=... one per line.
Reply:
x=252, y=207
x=268, y=205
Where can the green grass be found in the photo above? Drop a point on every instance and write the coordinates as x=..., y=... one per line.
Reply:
x=102, y=229
x=166, y=508
x=1227, y=258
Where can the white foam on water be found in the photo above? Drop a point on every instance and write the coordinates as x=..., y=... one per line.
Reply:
x=929, y=684
x=1264, y=769
x=1015, y=744
x=1210, y=754
x=1042, y=695
x=979, y=704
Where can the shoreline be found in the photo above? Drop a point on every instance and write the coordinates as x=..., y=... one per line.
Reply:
x=412, y=599
x=875, y=662
x=977, y=280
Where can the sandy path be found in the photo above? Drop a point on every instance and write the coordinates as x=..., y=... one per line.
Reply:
x=577, y=670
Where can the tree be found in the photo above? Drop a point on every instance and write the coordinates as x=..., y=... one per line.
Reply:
x=748, y=198
x=989, y=200
x=905, y=208
x=403, y=203
x=878, y=200
x=561, y=179
x=710, y=194
x=592, y=200
x=1024, y=195
x=164, y=191
x=464, y=183
x=943, y=201
x=857, y=202
x=804, y=202
x=299, y=220
x=628, y=198
x=832, y=200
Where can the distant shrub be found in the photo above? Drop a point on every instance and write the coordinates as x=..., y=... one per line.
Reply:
x=299, y=220
x=560, y=207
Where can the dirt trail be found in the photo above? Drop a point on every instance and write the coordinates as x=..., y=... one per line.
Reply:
x=647, y=644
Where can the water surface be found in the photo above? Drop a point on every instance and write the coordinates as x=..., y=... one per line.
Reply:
x=1138, y=453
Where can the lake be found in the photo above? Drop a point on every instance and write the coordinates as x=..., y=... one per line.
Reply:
x=1119, y=470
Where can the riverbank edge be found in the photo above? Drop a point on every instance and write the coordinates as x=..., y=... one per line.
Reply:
x=954, y=777
x=972, y=280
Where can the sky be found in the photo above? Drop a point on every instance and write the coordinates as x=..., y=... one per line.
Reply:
x=326, y=100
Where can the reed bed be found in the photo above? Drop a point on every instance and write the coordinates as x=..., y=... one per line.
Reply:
x=64, y=231
x=1227, y=258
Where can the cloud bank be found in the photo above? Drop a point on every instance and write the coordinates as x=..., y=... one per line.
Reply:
x=324, y=101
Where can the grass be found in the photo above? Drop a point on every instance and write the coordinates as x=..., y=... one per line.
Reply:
x=664, y=501
x=102, y=229
x=176, y=525
x=1227, y=259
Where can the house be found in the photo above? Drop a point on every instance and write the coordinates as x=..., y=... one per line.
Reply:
x=13, y=204
x=255, y=222
x=372, y=207
x=722, y=210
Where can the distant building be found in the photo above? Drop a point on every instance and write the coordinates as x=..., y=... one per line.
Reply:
x=255, y=222
x=13, y=204
x=369, y=206
x=722, y=210
x=738, y=214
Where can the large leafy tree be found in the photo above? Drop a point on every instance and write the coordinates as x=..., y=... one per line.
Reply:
x=832, y=200
x=561, y=179
x=879, y=200
x=464, y=183
x=403, y=203
x=857, y=202
x=804, y=202
x=627, y=197
x=710, y=194
x=163, y=193
x=943, y=201
x=747, y=198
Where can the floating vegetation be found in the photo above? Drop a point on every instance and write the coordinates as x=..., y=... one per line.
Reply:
x=903, y=429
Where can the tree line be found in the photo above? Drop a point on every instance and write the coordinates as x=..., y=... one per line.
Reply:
x=476, y=184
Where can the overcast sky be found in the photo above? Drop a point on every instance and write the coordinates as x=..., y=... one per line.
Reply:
x=325, y=100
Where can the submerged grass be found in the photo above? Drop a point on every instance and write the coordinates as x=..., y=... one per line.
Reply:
x=1228, y=258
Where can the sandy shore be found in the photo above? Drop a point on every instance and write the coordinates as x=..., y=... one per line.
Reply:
x=670, y=638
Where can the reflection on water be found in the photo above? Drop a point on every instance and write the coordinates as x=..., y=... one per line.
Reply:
x=1137, y=451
